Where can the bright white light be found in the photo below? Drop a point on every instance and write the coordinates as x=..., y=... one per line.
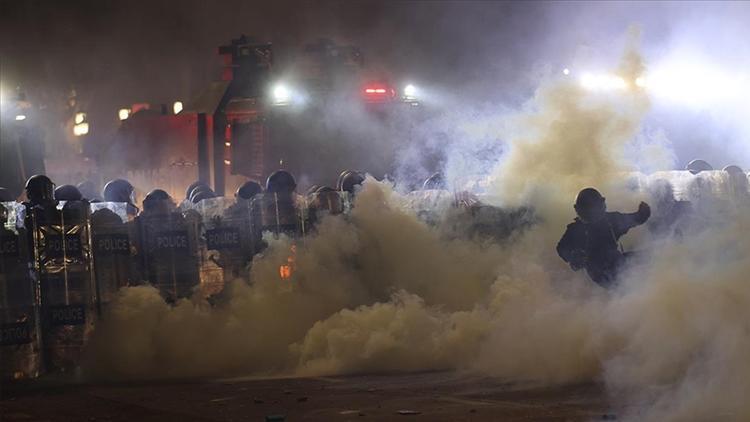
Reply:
x=80, y=117
x=281, y=94
x=640, y=82
x=410, y=91
x=697, y=83
x=123, y=113
x=20, y=117
x=177, y=107
x=81, y=129
x=603, y=82
x=566, y=71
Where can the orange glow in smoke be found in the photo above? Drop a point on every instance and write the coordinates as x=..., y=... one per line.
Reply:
x=286, y=270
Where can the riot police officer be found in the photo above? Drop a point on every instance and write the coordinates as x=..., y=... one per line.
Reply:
x=591, y=241
x=40, y=191
x=120, y=190
x=68, y=193
x=435, y=182
x=248, y=190
x=349, y=181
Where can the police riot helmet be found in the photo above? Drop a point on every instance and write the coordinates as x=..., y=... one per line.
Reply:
x=67, y=193
x=349, y=180
x=590, y=205
x=154, y=198
x=204, y=194
x=436, y=181
x=697, y=166
x=281, y=181
x=196, y=190
x=118, y=190
x=734, y=170
x=248, y=190
x=194, y=185
x=40, y=189
x=6, y=196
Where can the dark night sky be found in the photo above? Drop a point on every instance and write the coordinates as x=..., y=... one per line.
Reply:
x=119, y=52
x=155, y=50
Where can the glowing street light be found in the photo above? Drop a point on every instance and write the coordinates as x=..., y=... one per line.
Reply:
x=177, y=107
x=20, y=117
x=80, y=118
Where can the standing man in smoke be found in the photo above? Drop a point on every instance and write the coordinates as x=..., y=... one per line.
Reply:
x=592, y=240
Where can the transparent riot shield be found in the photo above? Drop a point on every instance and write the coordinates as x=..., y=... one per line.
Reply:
x=227, y=242
x=430, y=204
x=278, y=214
x=168, y=252
x=325, y=203
x=111, y=250
x=20, y=341
x=67, y=292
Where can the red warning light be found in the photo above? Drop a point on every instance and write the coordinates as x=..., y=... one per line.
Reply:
x=378, y=93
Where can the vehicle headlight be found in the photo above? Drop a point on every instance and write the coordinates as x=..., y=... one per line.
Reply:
x=410, y=91
x=123, y=113
x=281, y=94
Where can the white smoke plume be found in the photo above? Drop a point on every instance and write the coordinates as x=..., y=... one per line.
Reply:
x=382, y=291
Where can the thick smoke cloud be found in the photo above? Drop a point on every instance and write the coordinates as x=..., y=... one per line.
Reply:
x=385, y=292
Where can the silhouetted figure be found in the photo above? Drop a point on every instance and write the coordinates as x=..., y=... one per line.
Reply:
x=68, y=193
x=591, y=241
x=248, y=190
x=120, y=190
x=350, y=181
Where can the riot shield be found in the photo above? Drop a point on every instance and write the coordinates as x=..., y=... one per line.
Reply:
x=325, y=203
x=228, y=241
x=111, y=249
x=278, y=214
x=20, y=341
x=67, y=292
x=168, y=253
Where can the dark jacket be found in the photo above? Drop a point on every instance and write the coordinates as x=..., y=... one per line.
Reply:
x=594, y=246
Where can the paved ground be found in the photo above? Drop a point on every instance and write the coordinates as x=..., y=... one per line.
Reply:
x=425, y=397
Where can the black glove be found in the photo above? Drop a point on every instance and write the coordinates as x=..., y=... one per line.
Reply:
x=644, y=212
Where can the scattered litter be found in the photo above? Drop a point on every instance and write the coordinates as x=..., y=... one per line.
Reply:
x=221, y=399
x=408, y=412
x=275, y=418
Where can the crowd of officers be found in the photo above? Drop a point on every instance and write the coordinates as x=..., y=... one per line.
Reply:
x=64, y=253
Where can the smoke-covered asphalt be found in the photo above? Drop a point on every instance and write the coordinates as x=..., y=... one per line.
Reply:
x=425, y=396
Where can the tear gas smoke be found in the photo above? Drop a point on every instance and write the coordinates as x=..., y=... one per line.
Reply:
x=383, y=291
